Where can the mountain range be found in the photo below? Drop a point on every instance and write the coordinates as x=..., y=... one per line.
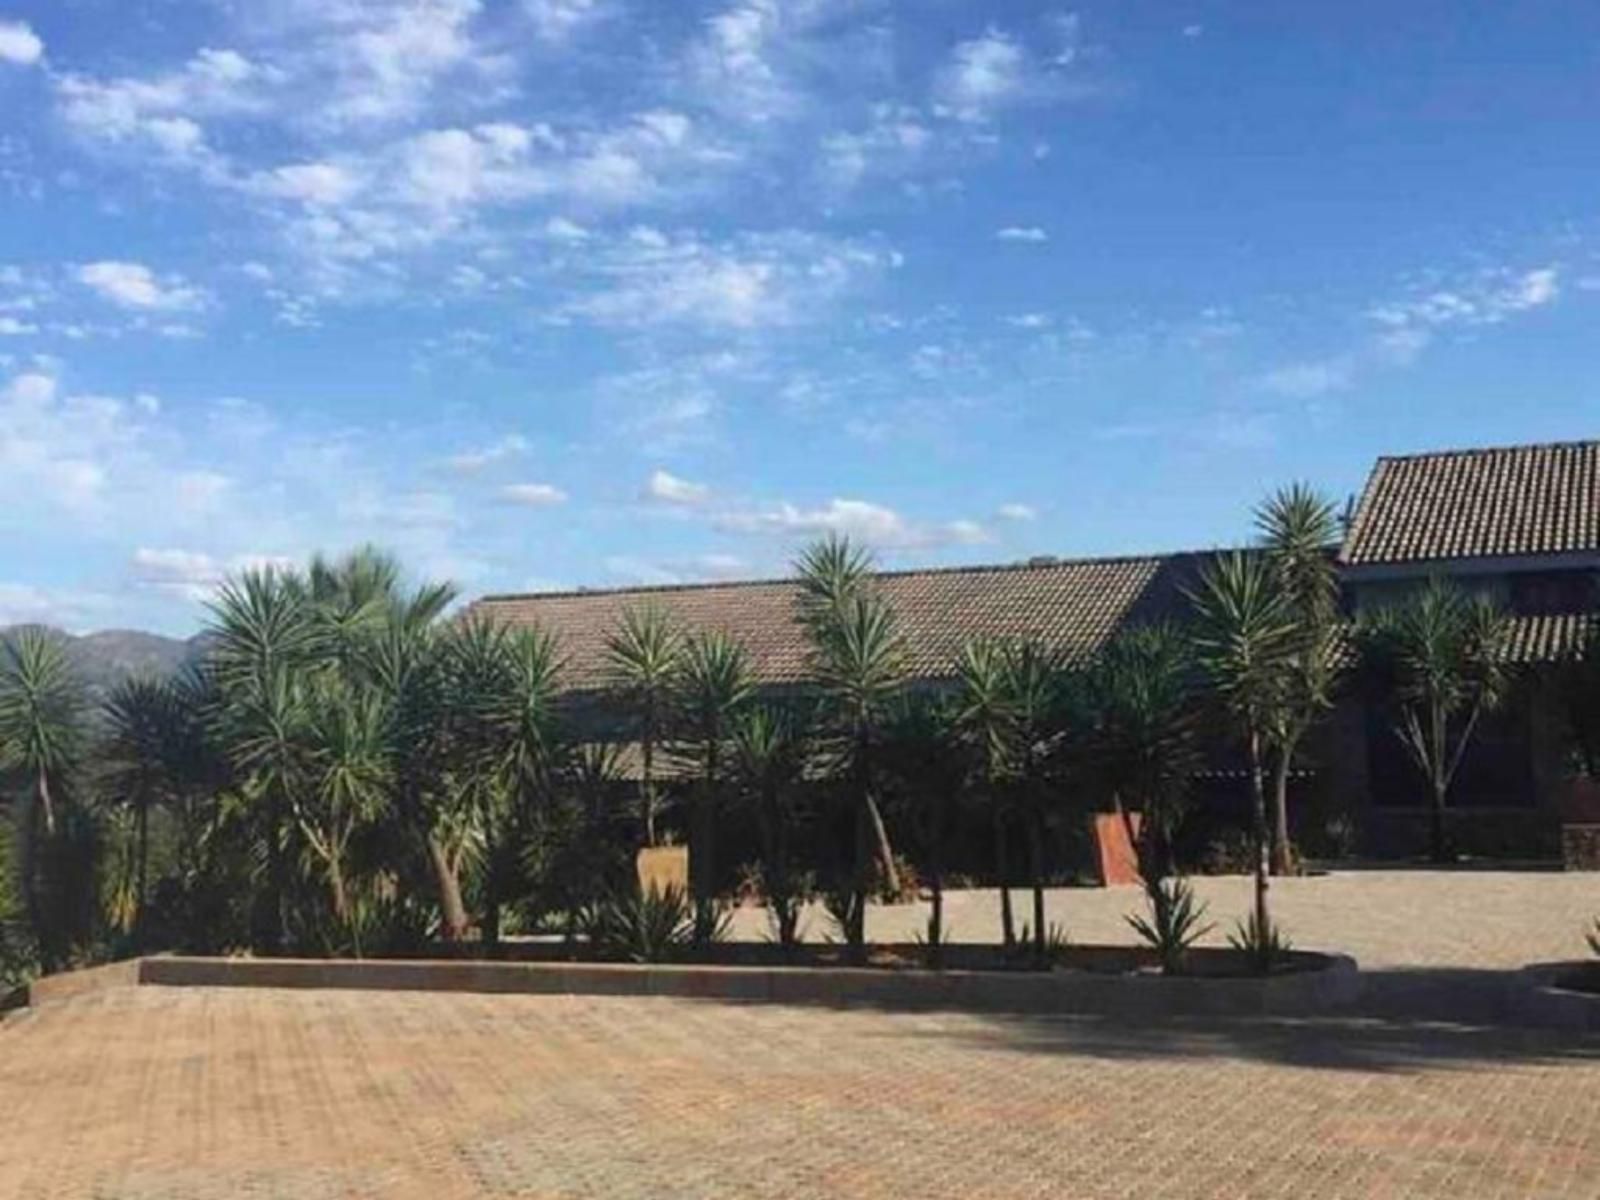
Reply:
x=112, y=654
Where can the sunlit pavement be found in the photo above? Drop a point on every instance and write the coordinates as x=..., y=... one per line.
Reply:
x=158, y=1093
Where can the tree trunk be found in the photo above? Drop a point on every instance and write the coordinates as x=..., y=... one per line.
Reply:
x=278, y=931
x=647, y=787
x=1282, y=855
x=1439, y=848
x=1002, y=871
x=31, y=901
x=143, y=852
x=1258, y=792
x=1036, y=866
x=881, y=846
x=47, y=802
x=452, y=908
x=491, y=891
x=936, y=885
x=702, y=868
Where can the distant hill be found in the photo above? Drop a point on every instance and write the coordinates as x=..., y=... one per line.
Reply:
x=112, y=654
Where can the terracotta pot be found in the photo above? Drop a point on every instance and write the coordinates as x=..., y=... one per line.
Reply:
x=663, y=868
x=1114, y=853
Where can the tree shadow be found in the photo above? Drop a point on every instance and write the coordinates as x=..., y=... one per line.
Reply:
x=1407, y=1019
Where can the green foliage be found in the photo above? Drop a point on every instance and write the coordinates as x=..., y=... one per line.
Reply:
x=644, y=657
x=648, y=926
x=1437, y=660
x=1175, y=923
x=1264, y=944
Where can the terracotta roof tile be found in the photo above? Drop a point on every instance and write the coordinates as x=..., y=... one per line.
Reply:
x=1073, y=605
x=1516, y=500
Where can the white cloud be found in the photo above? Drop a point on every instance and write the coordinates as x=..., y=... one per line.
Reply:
x=558, y=20
x=12, y=327
x=894, y=141
x=1486, y=298
x=872, y=524
x=650, y=278
x=701, y=568
x=1017, y=512
x=72, y=610
x=1022, y=233
x=1193, y=31
x=1307, y=380
x=561, y=229
x=533, y=495
x=670, y=489
x=1032, y=320
x=165, y=110
x=315, y=183
x=19, y=44
x=134, y=286
x=983, y=74
x=193, y=574
x=470, y=462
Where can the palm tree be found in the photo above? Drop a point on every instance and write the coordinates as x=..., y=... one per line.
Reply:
x=858, y=661
x=142, y=753
x=1437, y=659
x=644, y=656
x=347, y=783
x=42, y=705
x=481, y=766
x=983, y=716
x=1245, y=635
x=1297, y=528
x=534, y=744
x=770, y=747
x=1143, y=747
x=1033, y=684
x=263, y=641
x=713, y=684
x=925, y=754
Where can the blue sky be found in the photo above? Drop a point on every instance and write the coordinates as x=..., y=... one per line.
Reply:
x=546, y=293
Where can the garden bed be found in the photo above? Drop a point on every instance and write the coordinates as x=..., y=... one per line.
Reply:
x=1101, y=980
x=1559, y=996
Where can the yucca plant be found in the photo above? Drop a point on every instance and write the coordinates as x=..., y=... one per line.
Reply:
x=643, y=658
x=1437, y=659
x=1264, y=945
x=1245, y=632
x=983, y=716
x=714, y=682
x=1175, y=923
x=770, y=746
x=858, y=662
x=1298, y=527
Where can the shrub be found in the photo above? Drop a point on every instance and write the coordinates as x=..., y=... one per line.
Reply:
x=908, y=887
x=1265, y=946
x=1056, y=945
x=1174, y=923
x=651, y=926
x=1593, y=937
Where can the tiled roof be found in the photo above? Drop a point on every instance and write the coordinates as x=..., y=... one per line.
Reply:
x=1516, y=500
x=1072, y=605
x=1545, y=639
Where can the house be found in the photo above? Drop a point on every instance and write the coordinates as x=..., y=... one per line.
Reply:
x=1521, y=523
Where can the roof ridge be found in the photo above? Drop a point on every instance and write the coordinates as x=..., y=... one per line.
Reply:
x=899, y=573
x=1464, y=451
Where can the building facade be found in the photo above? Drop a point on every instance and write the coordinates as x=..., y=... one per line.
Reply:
x=1521, y=524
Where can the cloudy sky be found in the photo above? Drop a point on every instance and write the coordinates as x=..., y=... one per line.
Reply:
x=541, y=293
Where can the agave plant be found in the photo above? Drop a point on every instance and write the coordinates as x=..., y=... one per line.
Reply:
x=1263, y=945
x=1176, y=922
x=648, y=926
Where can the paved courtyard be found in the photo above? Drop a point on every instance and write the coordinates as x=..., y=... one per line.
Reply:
x=155, y=1093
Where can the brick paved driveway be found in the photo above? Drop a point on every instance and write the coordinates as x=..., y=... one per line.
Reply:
x=153, y=1093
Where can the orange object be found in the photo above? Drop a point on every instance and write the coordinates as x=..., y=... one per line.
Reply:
x=1114, y=852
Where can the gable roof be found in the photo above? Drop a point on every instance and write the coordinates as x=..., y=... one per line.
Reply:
x=1072, y=605
x=1506, y=501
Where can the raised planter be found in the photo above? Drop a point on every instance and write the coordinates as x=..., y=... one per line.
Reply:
x=1114, y=981
x=1558, y=996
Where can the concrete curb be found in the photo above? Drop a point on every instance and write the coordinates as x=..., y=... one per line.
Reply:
x=1538, y=999
x=1333, y=980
